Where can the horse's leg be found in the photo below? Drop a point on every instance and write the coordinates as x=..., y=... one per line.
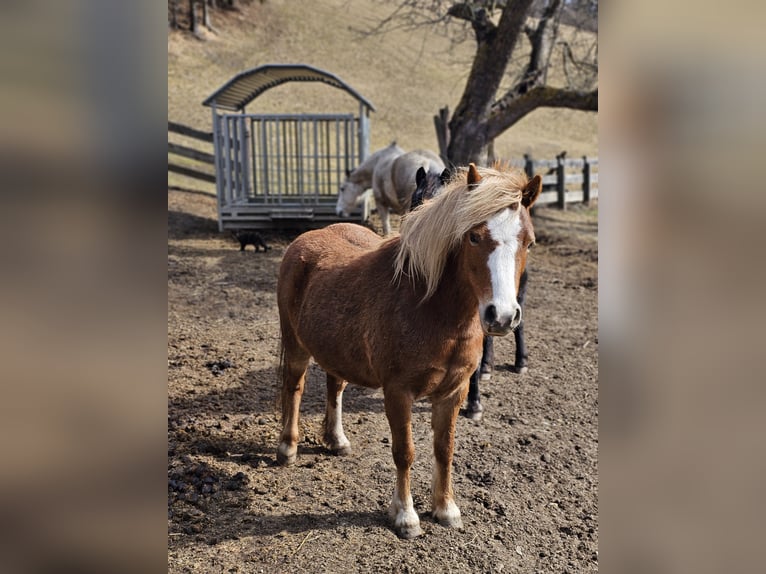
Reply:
x=295, y=361
x=474, y=409
x=334, y=437
x=385, y=219
x=443, y=416
x=487, y=358
x=402, y=511
x=518, y=334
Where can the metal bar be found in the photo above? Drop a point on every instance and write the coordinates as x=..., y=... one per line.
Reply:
x=327, y=155
x=273, y=117
x=217, y=150
x=237, y=172
x=268, y=175
x=279, y=162
x=245, y=159
x=253, y=155
x=364, y=136
x=299, y=153
x=317, y=182
x=337, y=152
x=285, y=187
x=227, y=159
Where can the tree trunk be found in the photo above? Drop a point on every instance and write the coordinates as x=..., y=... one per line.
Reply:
x=441, y=124
x=495, y=43
x=174, y=14
x=477, y=120
x=468, y=142
x=193, y=24
x=206, y=4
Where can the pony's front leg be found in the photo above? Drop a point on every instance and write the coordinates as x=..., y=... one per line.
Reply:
x=295, y=363
x=385, y=219
x=521, y=348
x=334, y=437
x=402, y=511
x=443, y=416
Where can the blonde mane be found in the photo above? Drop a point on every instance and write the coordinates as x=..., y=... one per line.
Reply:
x=431, y=231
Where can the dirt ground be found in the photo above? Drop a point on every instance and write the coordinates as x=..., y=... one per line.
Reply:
x=525, y=476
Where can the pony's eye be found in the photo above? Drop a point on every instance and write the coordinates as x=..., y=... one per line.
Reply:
x=530, y=246
x=473, y=238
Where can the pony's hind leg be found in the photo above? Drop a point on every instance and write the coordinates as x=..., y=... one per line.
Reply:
x=334, y=437
x=385, y=219
x=402, y=511
x=295, y=361
x=521, y=347
x=474, y=410
x=443, y=416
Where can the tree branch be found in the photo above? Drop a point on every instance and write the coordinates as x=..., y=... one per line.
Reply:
x=478, y=18
x=539, y=96
x=489, y=64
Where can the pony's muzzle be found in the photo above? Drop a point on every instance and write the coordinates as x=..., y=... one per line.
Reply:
x=496, y=324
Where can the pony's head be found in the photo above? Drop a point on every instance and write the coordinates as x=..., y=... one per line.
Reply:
x=481, y=218
x=427, y=185
x=349, y=191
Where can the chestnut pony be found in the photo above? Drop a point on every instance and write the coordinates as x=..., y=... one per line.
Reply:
x=406, y=314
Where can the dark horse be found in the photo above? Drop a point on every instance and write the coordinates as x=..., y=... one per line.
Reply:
x=451, y=276
x=429, y=184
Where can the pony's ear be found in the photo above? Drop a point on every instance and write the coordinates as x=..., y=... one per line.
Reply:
x=445, y=176
x=420, y=176
x=473, y=176
x=348, y=172
x=532, y=191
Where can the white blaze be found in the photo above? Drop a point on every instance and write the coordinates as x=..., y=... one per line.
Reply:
x=504, y=228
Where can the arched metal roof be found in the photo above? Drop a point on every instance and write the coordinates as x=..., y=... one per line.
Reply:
x=246, y=86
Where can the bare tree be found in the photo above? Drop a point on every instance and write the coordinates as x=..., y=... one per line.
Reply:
x=173, y=14
x=487, y=107
x=193, y=23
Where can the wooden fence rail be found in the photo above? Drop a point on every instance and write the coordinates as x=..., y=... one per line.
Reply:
x=203, y=162
x=565, y=180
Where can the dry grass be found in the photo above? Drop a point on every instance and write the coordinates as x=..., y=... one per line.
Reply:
x=407, y=76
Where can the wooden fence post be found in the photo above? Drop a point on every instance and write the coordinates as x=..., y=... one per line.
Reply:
x=529, y=165
x=585, y=180
x=441, y=125
x=561, y=185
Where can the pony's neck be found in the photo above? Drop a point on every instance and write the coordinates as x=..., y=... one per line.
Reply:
x=362, y=175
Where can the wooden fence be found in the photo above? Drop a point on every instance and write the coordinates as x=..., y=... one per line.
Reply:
x=565, y=180
x=197, y=164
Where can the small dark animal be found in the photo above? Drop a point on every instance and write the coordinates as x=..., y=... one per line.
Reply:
x=429, y=185
x=253, y=238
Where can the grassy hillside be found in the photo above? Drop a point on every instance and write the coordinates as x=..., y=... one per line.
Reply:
x=407, y=76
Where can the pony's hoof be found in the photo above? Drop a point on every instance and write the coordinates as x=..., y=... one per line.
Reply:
x=521, y=370
x=486, y=377
x=341, y=450
x=474, y=411
x=285, y=457
x=407, y=532
x=448, y=516
x=406, y=520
